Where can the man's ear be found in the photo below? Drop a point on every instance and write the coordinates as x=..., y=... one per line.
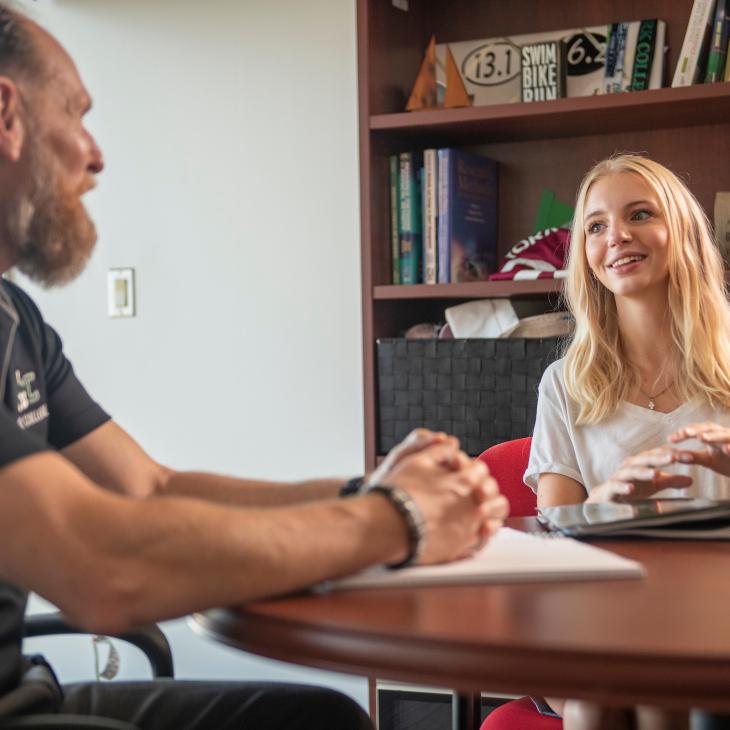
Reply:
x=12, y=130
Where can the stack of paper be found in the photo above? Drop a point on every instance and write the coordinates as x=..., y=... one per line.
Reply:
x=511, y=556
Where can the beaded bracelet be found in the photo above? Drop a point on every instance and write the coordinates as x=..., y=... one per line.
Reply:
x=411, y=514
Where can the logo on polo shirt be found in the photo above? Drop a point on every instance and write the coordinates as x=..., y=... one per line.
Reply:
x=28, y=396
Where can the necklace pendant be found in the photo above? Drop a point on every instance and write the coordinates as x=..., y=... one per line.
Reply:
x=651, y=405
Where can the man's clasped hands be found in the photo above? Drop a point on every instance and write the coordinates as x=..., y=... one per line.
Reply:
x=459, y=501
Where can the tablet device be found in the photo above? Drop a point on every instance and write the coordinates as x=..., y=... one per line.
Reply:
x=669, y=518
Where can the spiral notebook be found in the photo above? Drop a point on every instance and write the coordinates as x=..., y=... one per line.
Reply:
x=511, y=556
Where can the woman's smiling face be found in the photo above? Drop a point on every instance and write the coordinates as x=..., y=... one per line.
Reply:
x=626, y=234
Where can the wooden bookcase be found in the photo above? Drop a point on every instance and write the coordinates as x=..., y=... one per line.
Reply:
x=540, y=145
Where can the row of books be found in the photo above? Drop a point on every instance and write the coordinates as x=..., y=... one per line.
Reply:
x=704, y=54
x=631, y=61
x=601, y=59
x=443, y=216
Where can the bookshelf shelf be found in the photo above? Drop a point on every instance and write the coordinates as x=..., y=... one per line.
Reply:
x=471, y=290
x=642, y=110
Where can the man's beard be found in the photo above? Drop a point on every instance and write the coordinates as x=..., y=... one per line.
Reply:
x=51, y=233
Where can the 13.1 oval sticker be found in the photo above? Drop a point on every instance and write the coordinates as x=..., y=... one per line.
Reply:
x=492, y=64
x=498, y=62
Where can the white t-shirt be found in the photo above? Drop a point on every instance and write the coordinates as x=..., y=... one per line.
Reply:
x=591, y=454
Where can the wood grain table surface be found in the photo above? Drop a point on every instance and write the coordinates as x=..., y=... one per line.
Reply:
x=663, y=639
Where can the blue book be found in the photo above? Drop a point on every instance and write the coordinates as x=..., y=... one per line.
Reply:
x=611, y=51
x=467, y=222
x=443, y=244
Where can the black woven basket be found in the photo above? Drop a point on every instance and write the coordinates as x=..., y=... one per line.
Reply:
x=483, y=391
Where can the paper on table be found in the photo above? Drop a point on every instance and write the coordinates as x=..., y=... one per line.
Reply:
x=511, y=556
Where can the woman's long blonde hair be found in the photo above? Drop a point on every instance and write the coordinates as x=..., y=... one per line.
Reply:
x=597, y=374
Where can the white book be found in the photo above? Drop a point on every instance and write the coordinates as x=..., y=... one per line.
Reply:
x=688, y=70
x=511, y=556
x=443, y=268
x=430, y=216
x=657, y=71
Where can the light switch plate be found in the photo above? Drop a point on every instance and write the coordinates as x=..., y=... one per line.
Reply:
x=120, y=292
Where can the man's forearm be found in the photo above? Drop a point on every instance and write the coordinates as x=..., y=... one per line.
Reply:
x=110, y=457
x=111, y=562
x=247, y=492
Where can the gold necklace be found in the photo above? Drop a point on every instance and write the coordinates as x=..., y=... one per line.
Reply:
x=651, y=405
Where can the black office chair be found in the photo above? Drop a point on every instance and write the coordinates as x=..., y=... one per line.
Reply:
x=149, y=639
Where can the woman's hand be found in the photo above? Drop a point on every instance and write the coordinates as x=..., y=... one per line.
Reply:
x=640, y=477
x=714, y=455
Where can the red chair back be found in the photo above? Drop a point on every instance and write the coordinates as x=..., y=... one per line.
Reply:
x=507, y=463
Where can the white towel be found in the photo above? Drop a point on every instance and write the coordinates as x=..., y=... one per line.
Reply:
x=482, y=318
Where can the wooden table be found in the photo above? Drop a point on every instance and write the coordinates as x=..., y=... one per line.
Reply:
x=663, y=640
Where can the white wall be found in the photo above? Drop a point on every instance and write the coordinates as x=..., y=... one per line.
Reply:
x=229, y=129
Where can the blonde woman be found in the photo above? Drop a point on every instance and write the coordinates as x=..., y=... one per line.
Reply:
x=648, y=367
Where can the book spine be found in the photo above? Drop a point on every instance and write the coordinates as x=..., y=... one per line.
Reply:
x=688, y=65
x=430, y=216
x=632, y=34
x=410, y=219
x=610, y=67
x=562, y=70
x=656, y=80
x=722, y=224
x=622, y=32
x=422, y=213
x=644, y=55
x=394, y=172
x=418, y=219
x=718, y=48
x=444, y=234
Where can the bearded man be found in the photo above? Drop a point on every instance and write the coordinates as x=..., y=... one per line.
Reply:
x=114, y=538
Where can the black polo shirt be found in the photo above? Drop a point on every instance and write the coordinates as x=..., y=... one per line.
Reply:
x=44, y=407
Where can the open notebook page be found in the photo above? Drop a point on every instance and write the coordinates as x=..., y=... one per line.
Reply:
x=511, y=556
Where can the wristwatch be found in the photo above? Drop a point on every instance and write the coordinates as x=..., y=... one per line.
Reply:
x=352, y=487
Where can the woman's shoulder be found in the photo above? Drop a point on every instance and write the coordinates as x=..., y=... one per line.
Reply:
x=553, y=375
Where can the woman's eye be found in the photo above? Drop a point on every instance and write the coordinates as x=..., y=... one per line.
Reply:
x=640, y=215
x=594, y=228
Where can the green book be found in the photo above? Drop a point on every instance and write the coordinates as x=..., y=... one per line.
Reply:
x=644, y=54
x=718, y=48
x=394, y=208
x=410, y=218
